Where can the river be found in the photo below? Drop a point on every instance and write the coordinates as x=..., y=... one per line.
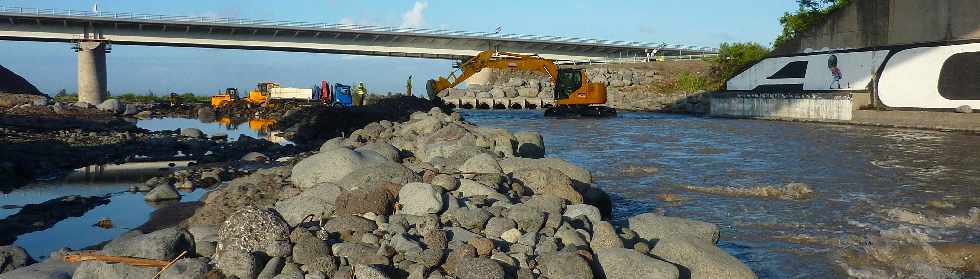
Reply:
x=862, y=178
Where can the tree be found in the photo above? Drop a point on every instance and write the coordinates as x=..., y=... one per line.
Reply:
x=810, y=12
x=735, y=57
x=62, y=93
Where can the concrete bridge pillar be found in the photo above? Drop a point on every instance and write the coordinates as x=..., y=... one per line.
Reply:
x=92, y=76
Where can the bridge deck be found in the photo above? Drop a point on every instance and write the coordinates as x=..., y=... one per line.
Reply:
x=145, y=29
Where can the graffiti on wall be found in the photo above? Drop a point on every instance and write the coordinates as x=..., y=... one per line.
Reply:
x=932, y=77
x=921, y=76
x=818, y=72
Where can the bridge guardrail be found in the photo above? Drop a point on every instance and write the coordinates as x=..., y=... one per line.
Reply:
x=349, y=27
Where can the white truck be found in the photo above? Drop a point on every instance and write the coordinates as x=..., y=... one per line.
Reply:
x=286, y=93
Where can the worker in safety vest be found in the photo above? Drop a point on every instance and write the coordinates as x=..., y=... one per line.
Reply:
x=361, y=92
x=408, y=87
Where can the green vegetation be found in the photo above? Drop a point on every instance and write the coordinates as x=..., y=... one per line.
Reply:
x=810, y=12
x=687, y=82
x=734, y=58
x=150, y=97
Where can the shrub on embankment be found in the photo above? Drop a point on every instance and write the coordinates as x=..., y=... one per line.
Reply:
x=810, y=13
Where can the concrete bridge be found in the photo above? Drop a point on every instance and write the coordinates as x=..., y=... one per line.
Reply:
x=93, y=33
x=500, y=103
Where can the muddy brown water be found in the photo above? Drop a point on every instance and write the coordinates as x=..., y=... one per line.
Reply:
x=858, y=175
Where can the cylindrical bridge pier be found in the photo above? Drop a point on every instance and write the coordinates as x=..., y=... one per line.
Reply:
x=92, y=76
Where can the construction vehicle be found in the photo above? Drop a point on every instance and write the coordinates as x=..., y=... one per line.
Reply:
x=342, y=95
x=260, y=95
x=574, y=94
x=222, y=98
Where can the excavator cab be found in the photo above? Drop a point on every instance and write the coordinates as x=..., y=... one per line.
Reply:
x=569, y=80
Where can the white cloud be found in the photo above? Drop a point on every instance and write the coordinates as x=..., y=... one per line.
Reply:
x=413, y=18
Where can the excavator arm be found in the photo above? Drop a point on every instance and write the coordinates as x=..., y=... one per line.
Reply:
x=495, y=60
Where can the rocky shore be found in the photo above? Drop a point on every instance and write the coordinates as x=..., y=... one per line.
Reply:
x=431, y=197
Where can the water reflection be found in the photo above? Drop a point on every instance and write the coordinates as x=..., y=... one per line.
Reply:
x=126, y=210
x=233, y=127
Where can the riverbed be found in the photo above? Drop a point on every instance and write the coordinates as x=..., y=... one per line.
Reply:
x=859, y=175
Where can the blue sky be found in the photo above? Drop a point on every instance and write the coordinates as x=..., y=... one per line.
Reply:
x=51, y=66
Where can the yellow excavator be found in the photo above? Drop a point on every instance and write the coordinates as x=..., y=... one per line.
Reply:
x=574, y=94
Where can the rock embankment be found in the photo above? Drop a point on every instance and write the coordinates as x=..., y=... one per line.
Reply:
x=431, y=197
x=650, y=86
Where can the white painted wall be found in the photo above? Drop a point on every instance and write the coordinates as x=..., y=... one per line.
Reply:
x=858, y=69
x=911, y=78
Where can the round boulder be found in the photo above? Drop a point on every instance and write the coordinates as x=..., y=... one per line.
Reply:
x=329, y=166
x=420, y=199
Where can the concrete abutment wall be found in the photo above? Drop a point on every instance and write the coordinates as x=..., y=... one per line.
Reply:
x=871, y=23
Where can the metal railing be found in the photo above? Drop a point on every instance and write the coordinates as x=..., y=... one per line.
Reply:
x=345, y=27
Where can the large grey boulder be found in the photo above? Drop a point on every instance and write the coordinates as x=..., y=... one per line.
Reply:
x=309, y=248
x=163, y=244
x=252, y=229
x=589, y=211
x=162, y=192
x=112, y=105
x=377, y=173
x=528, y=219
x=187, y=268
x=349, y=223
x=620, y=263
x=330, y=166
x=479, y=268
x=377, y=199
x=205, y=239
x=651, y=226
x=53, y=268
x=576, y=173
x=549, y=181
x=362, y=271
x=496, y=227
x=564, y=265
x=13, y=257
x=317, y=200
x=102, y=270
x=240, y=264
x=604, y=236
x=333, y=143
x=447, y=182
x=194, y=133
x=482, y=163
x=529, y=144
x=703, y=259
x=384, y=149
x=470, y=188
x=420, y=199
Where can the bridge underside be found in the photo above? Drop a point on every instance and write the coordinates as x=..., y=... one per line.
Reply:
x=14, y=26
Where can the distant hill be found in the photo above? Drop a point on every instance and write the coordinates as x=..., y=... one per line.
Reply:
x=11, y=82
